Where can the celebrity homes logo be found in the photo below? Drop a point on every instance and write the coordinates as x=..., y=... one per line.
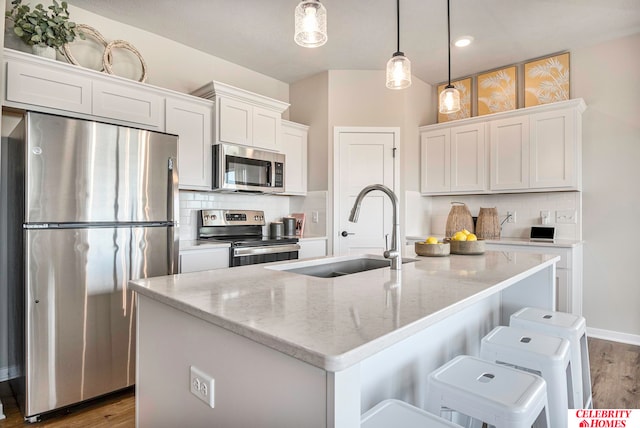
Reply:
x=601, y=418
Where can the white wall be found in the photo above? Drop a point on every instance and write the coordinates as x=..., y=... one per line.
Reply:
x=607, y=77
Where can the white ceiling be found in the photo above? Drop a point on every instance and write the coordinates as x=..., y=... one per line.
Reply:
x=258, y=34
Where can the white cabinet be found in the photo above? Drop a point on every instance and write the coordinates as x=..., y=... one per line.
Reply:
x=311, y=247
x=191, y=119
x=537, y=151
x=509, y=140
x=39, y=84
x=243, y=117
x=294, y=146
x=134, y=104
x=32, y=84
x=204, y=259
x=568, y=271
x=453, y=159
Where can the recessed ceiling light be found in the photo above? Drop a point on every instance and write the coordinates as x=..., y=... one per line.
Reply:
x=463, y=41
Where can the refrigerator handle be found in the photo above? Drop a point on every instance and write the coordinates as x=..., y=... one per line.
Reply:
x=173, y=213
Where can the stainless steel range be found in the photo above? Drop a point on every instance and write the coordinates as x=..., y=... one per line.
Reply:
x=243, y=230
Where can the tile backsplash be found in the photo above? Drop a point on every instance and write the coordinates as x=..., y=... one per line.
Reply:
x=527, y=207
x=274, y=207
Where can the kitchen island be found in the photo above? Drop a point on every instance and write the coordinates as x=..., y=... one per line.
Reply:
x=291, y=350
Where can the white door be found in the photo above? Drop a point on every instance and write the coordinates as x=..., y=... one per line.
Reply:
x=363, y=156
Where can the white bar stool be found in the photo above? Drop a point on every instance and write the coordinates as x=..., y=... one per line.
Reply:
x=390, y=413
x=547, y=356
x=574, y=329
x=495, y=394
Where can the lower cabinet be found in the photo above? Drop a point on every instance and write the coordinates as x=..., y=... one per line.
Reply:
x=312, y=248
x=204, y=259
x=568, y=272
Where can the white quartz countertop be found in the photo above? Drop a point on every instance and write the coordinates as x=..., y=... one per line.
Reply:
x=186, y=245
x=558, y=243
x=333, y=323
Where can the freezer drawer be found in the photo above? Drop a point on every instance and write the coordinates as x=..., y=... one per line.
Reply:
x=80, y=323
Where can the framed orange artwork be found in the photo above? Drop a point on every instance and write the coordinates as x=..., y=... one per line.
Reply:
x=497, y=91
x=464, y=86
x=546, y=80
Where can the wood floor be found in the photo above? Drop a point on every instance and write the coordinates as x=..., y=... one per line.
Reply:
x=615, y=374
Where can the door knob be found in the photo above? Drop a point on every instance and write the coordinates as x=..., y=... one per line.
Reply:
x=345, y=233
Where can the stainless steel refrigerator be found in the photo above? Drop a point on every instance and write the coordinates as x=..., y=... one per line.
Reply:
x=89, y=207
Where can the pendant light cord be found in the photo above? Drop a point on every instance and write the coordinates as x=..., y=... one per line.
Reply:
x=398, y=23
x=448, y=40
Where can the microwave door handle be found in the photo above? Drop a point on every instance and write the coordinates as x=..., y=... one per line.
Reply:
x=270, y=173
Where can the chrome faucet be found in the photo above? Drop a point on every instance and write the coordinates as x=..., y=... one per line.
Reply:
x=394, y=252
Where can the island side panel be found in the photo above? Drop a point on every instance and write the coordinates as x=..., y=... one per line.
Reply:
x=401, y=371
x=537, y=290
x=255, y=386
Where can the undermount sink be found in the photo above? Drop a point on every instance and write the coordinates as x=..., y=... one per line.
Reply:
x=336, y=266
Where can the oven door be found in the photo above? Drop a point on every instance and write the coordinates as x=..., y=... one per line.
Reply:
x=237, y=168
x=254, y=255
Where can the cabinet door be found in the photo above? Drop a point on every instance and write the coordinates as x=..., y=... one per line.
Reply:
x=468, y=158
x=294, y=146
x=266, y=128
x=198, y=260
x=563, y=290
x=38, y=86
x=554, y=150
x=509, y=142
x=435, y=161
x=314, y=248
x=126, y=103
x=234, y=122
x=192, y=123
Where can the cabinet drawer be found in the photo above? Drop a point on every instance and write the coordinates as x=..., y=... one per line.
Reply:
x=199, y=260
x=120, y=102
x=31, y=84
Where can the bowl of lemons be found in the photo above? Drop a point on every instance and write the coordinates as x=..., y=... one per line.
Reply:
x=431, y=247
x=465, y=242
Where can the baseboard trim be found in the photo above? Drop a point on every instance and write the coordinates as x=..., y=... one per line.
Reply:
x=615, y=336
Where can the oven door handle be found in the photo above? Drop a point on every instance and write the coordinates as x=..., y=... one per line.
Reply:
x=270, y=249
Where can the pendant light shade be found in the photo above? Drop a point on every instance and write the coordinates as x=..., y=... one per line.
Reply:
x=398, y=71
x=399, y=66
x=449, y=101
x=311, y=24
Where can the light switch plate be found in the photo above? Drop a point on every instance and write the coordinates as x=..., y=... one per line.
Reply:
x=566, y=216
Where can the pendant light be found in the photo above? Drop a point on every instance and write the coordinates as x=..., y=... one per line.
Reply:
x=311, y=24
x=399, y=66
x=449, y=98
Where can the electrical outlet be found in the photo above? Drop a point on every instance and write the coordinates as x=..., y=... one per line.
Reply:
x=566, y=216
x=314, y=216
x=202, y=385
x=511, y=216
x=544, y=217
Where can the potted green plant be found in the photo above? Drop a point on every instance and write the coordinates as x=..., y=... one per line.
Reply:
x=43, y=28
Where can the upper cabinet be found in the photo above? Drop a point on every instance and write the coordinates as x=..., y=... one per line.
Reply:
x=529, y=150
x=38, y=84
x=191, y=119
x=294, y=146
x=243, y=117
x=453, y=159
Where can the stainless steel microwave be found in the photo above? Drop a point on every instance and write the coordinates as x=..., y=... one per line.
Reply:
x=245, y=169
